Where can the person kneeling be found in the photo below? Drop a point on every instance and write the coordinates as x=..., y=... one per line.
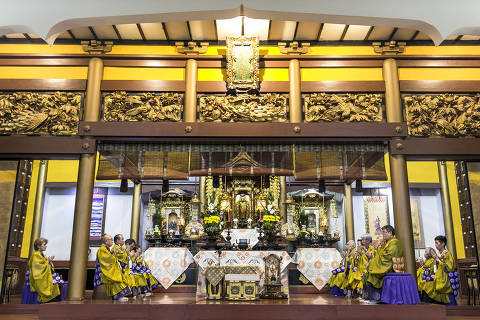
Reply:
x=41, y=275
x=108, y=271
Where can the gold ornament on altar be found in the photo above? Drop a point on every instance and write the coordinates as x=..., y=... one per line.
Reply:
x=290, y=230
x=194, y=228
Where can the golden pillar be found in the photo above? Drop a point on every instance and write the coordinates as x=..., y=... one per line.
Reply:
x=39, y=202
x=295, y=94
x=135, y=225
x=398, y=169
x=348, y=205
x=190, y=109
x=83, y=200
x=447, y=208
x=201, y=193
x=283, y=198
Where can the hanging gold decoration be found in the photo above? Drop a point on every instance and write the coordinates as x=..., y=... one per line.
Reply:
x=122, y=106
x=270, y=107
x=40, y=113
x=343, y=108
x=443, y=115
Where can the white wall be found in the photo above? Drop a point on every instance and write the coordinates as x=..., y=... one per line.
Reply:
x=58, y=212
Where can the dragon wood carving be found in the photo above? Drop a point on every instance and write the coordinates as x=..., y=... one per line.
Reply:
x=270, y=107
x=343, y=108
x=443, y=115
x=40, y=113
x=120, y=106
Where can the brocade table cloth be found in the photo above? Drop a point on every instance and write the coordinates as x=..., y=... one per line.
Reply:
x=167, y=264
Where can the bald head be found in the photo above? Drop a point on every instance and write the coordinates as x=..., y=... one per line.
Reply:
x=107, y=240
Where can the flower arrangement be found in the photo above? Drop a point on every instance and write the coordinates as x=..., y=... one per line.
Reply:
x=211, y=220
x=271, y=220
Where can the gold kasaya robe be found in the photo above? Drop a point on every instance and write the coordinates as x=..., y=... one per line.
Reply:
x=140, y=280
x=356, y=278
x=442, y=284
x=41, y=280
x=425, y=277
x=382, y=262
x=124, y=260
x=112, y=276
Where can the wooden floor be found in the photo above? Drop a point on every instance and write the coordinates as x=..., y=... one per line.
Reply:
x=186, y=306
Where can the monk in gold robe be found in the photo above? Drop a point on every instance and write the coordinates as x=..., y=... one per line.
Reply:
x=41, y=275
x=108, y=271
x=339, y=279
x=124, y=260
x=425, y=275
x=382, y=262
x=366, y=252
x=446, y=280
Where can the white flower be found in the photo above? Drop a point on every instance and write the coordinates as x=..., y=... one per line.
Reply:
x=211, y=207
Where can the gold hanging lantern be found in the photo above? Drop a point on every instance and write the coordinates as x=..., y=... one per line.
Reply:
x=261, y=203
x=194, y=229
x=225, y=203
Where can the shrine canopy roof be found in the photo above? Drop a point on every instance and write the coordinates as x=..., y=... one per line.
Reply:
x=338, y=162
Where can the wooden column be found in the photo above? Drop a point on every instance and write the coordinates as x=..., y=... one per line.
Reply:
x=348, y=206
x=398, y=169
x=447, y=208
x=190, y=108
x=295, y=94
x=135, y=225
x=283, y=198
x=39, y=203
x=83, y=200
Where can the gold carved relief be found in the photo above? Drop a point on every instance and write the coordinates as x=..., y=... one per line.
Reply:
x=270, y=107
x=343, y=108
x=121, y=106
x=443, y=115
x=40, y=113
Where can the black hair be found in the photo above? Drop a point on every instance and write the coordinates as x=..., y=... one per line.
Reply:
x=116, y=238
x=129, y=242
x=442, y=239
x=389, y=228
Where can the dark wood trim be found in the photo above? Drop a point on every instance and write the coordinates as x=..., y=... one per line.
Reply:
x=43, y=84
x=144, y=85
x=45, y=147
x=342, y=86
x=218, y=61
x=437, y=148
x=439, y=86
x=218, y=131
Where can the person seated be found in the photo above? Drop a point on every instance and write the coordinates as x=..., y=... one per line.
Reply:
x=338, y=280
x=124, y=261
x=349, y=284
x=108, y=271
x=446, y=280
x=129, y=246
x=137, y=270
x=41, y=275
x=366, y=252
x=425, y=275
x=143, y=269
x=382, y=262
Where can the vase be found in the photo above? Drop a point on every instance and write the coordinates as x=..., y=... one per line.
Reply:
x=211, y=242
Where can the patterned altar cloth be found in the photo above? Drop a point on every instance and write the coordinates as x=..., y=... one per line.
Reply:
x=316, y=264
x=239, y=258
x=250, y=234
x=167, y=264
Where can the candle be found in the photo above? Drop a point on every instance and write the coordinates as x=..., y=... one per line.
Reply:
x=228, y=211
x=260, y=214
